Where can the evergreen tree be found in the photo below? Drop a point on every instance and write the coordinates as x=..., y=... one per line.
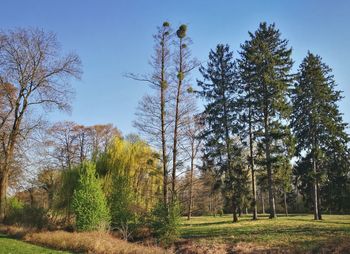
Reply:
x=219, y=90
x=121, y=201
x=248, y=119
x=265, y=64
x=89, y=201
x=335, y=191
x=319, y=128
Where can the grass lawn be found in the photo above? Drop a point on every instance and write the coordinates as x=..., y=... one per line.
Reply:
x=296, y=232
x=12, y=246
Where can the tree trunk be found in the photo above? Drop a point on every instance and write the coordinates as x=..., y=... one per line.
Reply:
x=234, y=207
x=285, y=203
x=177, y=116
x=254, y=203
x=263, y=202
x=319, y=201
x=50, y=198
x=162, y=109
x=191, y=183
x=210, y=204
x=3, y=191
x=272, y=207
x=31, y=196
x=4, y=176
x=267, y=134
x=315, y=192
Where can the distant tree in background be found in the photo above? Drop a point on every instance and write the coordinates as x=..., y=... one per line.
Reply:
x=191, y=144
x=69, y=182
x=49, y=180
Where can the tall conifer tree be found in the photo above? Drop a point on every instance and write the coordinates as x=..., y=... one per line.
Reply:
x=318, y=125
x=266, y=63
x=219, y=90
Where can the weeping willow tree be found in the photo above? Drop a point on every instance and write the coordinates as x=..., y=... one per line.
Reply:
x=63, y=200
x=132, y=179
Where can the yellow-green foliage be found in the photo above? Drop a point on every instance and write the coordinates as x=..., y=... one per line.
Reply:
x=136, y=162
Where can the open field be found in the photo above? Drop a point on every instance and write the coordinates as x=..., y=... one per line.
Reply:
x=207, y=234
x=12, y=246
x=297, y=233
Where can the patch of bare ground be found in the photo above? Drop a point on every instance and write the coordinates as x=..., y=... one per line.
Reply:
x=189, y=247
x=340, y=246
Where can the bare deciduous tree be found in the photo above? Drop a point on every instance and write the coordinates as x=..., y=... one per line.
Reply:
x=184, y=64
x=191, y=134
x=155, y=128
x=32, y=63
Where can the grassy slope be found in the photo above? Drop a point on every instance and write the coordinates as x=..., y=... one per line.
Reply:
x=12, y=246
x=293, y=232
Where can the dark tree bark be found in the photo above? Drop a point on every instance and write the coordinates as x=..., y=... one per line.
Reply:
x=252, y=169
x=285, y=203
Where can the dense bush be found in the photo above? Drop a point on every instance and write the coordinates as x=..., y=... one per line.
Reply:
x=121, y=200
x=63, y=200
x=25, y=215
x=89, y=202
x=14, y=211
x=165, y=222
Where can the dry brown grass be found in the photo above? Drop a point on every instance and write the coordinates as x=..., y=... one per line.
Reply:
x=192, y=247
x=85, y=242
x=15, y=231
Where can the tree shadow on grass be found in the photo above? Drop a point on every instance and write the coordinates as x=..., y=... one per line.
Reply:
x=207, y=223
x=248, y=232
x=324, y=221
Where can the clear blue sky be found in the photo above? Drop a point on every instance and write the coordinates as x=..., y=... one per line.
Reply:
x=114, y=37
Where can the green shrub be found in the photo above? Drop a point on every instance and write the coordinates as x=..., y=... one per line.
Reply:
x=14, y=211
x=64, y=198
x=220, y=212
x=123, y=214
x=165, y=222
x=120, y=201
x=35, y=216
x=89, y=202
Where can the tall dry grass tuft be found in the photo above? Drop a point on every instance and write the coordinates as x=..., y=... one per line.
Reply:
x=15, y=231
x=82, y=242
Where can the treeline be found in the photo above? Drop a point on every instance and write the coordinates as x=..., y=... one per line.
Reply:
x=268, y=139
x=263, y=122
x=90, y=178
x=264, y=130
